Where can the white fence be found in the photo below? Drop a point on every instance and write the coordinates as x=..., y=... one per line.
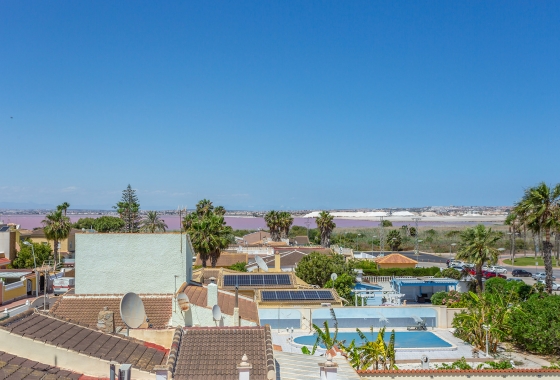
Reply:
x=378, y=279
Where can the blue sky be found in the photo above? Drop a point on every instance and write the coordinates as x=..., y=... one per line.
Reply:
x=286, y=105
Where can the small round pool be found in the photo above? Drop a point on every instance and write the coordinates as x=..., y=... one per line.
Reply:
x=403, y=339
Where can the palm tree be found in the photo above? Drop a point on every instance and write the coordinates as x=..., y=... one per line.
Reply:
x=152, y=223
x=56, y=227
x=64, y=206
x=285, y=223
x=394, y=240
x=273, y=222
x=326, y=225
x=477, y=246
x=514, y=221
x=540, y=210
x=204, y=207
x=209, y=235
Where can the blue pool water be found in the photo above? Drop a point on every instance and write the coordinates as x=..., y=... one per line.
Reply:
x=403, y=339
x=361, y=286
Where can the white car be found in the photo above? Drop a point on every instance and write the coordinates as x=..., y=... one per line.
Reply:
x=498, y=269
x=555, y=285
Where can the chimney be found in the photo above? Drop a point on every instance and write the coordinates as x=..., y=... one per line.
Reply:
x=212, y=298
x=277, y=262
x=106, y=321
x=328, y=370
x=244, y=369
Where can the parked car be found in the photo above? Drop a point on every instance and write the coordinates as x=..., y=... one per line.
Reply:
x=497, y=269
x=521, y=273
x=457, y=267
x=487, y=274
x=468, y=265
x=541, y=276
x=515, y=279
x=555, y=285
x=456, y=263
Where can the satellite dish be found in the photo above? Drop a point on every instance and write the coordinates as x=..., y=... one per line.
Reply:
x=260, y=262
x=133, y=313
x=334, y=276
x=183, y=301
x=216, y=313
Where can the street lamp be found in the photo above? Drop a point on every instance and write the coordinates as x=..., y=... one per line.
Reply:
x=486, y=328
x=512, y=247
x=418, y=248
x=35, y=264
x=372, y=239
x=451, y=249
x=357, y=240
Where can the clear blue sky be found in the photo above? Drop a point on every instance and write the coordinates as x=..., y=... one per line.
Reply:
x=286, y=105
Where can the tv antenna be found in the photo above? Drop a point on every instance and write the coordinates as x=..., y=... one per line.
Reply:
x=132, y=311
x=260, y=262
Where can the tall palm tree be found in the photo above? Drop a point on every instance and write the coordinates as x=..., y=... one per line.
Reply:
x=56, y=227
x=514, y=221
x=209, y=235
x=326, y=225
x=540, y=210
x=285, y=220
x=477, y=246
x=152, y=223
x=273, y=222
x=64, y=206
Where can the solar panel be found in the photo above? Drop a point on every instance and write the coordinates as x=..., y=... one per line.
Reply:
x=256, y=279
x=325, y=295
x=268, y=296
x=310, y=294
x=283, y=295
x=297, y=295
x=283, y=279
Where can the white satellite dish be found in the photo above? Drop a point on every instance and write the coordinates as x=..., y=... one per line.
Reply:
x=183, y=301
x=334, y=276
x=133, y=313
x=216, y=313
x=260, y=262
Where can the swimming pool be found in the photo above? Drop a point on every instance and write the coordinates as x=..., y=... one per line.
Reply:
x=403, y=339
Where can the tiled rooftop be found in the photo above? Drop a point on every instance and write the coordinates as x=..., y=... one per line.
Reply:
x=66, y=335
x=213, y=353
x=395, y=258
x=84, y=309
x=247, y=307
x=15, y=367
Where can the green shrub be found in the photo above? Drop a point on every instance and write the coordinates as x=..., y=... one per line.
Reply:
x=450, y=299
x=450, y=273
x=437, y=298
x=499, y=285
x=535, y=326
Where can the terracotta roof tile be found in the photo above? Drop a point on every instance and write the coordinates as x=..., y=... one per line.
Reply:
x=395, y=258
x=69, y=336
x=223, y=348
x=84, y=309
x=15, y=367
x=226, y=300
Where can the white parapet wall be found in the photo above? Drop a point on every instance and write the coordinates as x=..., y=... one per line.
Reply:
x=140, y=263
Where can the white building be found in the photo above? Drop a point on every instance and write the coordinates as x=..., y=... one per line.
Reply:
x=140, y=263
